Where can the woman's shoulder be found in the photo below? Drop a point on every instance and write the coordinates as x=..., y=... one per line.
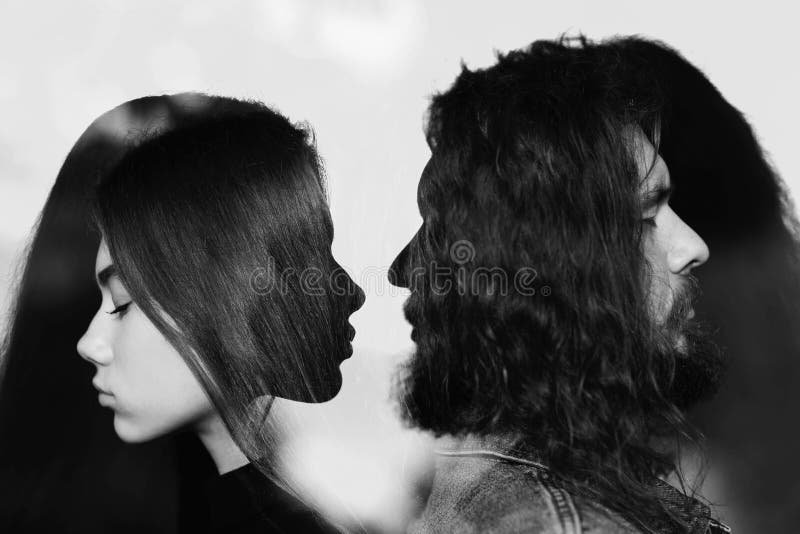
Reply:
x=245, y=500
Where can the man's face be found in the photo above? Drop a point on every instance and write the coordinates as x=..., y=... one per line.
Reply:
x=671, y=247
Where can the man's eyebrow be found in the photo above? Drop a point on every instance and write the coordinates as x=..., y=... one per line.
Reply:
x=104, y=275
x=658, y=195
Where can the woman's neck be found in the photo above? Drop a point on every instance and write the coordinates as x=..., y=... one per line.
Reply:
x=220, y=445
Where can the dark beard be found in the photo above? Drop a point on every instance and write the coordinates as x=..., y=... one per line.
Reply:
x=699, y=364
x=698, y=370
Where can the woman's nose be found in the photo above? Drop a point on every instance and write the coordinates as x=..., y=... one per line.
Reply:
x=93, y=347
x=359, y=297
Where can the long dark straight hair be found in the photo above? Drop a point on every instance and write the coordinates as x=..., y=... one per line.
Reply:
x=61, y=465
x=221, y=233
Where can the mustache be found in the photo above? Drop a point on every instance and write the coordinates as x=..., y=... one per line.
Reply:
x=701, y=366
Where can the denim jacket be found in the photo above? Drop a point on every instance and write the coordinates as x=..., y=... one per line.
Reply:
x=488, y=486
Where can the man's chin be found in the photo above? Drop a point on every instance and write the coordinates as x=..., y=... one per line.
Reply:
x=682, y=345
x=699, y=368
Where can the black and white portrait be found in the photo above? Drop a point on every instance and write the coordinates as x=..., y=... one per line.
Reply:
x=394, y=266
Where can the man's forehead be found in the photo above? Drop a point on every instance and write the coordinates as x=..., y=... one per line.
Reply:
x=656, y=174
x=653, y=170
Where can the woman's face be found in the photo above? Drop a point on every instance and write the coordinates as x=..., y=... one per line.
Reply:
x=140, y=375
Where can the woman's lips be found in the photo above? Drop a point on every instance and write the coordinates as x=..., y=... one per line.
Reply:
x=102, y=390
x=105, y=399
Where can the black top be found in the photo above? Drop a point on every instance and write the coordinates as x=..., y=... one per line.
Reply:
x=244, y=501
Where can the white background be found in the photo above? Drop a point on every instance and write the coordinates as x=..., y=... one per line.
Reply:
x=361, y=73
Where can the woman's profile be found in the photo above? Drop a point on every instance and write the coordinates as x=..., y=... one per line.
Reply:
x=220, y=294
x=91, y=481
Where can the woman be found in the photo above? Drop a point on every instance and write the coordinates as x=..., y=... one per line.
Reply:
x=219, y=294
x=62, y=468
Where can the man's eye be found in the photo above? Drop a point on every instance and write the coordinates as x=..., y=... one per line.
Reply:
x=121, y=309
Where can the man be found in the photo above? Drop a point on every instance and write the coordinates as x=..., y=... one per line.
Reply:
x=551, y=302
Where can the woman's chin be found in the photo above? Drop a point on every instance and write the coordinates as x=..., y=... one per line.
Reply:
x=129, y=432
x=323, y=391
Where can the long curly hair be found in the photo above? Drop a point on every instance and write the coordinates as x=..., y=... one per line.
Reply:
x=730, y=193
x=528, y=277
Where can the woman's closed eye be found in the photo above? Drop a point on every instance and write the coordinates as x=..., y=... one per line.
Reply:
x=121, y=309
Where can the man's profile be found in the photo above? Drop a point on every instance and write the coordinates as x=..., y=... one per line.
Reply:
x=563, y=407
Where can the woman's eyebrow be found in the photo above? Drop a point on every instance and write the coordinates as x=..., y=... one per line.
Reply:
x=104, y=275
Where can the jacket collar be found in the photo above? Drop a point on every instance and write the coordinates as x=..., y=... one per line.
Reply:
x=513, y=448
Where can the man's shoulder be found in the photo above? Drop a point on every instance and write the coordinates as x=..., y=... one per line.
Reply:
x=485, y=493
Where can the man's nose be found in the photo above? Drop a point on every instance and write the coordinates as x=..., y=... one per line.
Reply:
x=689, y=250
x=360, y=297
x=401, y=266
x=93, y=347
